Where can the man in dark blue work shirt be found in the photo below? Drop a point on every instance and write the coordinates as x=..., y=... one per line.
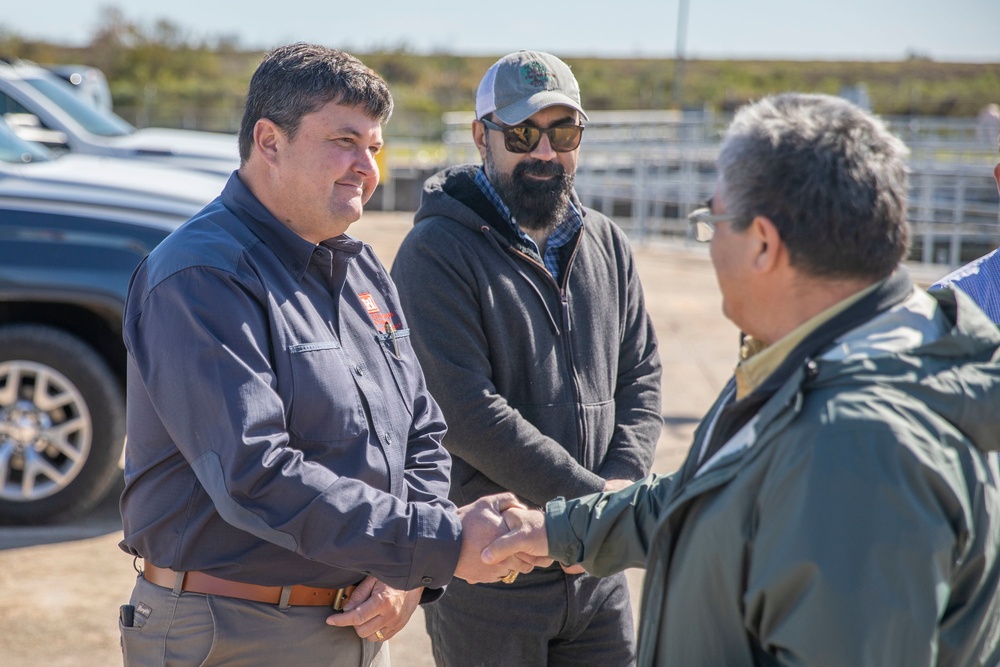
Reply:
x=283, y=448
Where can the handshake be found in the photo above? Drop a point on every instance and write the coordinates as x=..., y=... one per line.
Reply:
x=501, y=537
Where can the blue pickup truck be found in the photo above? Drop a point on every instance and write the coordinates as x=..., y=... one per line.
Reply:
x=72, y=230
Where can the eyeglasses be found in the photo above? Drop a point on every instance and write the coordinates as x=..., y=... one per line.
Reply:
x=525, y=138
x=703, y=222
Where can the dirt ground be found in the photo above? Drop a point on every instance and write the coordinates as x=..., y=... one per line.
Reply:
x=60, y=586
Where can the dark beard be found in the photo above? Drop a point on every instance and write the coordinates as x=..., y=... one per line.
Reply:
x=535, y=205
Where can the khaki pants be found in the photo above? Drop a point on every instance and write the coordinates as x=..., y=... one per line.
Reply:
x=189, y=629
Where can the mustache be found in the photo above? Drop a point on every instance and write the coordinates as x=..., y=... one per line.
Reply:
x=538, y=168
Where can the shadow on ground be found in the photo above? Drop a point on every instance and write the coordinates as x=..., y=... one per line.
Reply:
x=102, y=520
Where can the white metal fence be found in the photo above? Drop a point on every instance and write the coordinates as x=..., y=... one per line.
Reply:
x=649, y=169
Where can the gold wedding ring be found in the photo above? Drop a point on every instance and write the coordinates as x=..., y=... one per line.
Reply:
x=381, y=637
x=510, y=577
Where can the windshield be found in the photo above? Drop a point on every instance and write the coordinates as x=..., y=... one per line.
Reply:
x=16, y=150
x=96, y=121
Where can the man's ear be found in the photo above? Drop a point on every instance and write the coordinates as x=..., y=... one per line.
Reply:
x=479, y=137
x=267, y=139
x=771, y=250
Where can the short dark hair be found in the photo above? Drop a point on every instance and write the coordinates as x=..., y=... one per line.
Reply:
x=830, y=176
x=297, y=79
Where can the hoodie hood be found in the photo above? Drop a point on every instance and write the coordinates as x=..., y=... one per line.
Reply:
x=453, y=193
x=447, y=193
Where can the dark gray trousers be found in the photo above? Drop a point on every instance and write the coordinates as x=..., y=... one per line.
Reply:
x=189, y=629
x=544, y=619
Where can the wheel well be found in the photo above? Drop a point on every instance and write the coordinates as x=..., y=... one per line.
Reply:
x=99, y=328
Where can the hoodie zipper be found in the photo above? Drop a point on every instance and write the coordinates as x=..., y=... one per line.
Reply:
x=488, y=233
x=567, y=326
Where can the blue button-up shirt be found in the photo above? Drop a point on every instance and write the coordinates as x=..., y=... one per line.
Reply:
x=279, y=428
x=559, y=237
x=980, y=279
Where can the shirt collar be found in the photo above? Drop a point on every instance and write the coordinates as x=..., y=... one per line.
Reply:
x=760, y=360
x=291, y=249
x=484, y=184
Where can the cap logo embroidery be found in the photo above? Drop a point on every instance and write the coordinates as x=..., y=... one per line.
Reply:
x=535, y=74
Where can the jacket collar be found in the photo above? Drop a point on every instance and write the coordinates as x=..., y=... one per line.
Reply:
x=760, y=361
x=883, y=326
x=887, y=294
x=729, y=417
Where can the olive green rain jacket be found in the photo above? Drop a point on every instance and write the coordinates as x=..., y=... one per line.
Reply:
x=845, y=513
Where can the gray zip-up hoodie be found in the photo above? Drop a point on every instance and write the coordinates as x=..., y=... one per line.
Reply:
x=548, y=389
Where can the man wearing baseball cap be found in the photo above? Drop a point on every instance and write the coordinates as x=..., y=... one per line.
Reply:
x=527, y=316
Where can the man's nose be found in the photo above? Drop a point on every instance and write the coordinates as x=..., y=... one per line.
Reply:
x=543, y=151
x=365, y=162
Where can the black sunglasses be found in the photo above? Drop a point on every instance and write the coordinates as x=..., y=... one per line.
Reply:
x=525, y=138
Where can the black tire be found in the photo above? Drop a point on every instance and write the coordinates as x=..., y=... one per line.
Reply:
x=51, y=379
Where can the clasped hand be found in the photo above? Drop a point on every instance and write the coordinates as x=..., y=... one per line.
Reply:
x=377, y=607
x=499, y=535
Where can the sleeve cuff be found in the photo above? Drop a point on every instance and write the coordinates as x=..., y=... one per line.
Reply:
x=438, y=545
x=563, y=544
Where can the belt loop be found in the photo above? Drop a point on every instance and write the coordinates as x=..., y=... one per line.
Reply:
x=286, y=593
x=178, y=583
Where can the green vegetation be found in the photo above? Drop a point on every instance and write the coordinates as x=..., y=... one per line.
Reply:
x=160, y=75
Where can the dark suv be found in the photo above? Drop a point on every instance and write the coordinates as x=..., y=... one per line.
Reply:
x=72, y=230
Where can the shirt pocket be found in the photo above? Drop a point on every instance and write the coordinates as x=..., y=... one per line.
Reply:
x=325, y=403
x=402, y=362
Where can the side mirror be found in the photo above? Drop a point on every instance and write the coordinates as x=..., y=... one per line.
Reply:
x=28, y=127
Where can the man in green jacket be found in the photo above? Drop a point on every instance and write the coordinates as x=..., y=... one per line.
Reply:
x=838, y=505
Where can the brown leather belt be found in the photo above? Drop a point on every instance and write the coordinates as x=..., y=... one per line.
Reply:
x=199, y=582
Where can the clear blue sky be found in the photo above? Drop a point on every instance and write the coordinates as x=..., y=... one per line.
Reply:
x=946, y=30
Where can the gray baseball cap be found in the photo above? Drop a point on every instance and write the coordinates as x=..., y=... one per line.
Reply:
x=523, y=83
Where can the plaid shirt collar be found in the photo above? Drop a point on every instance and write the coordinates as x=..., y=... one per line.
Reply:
x=559, y=237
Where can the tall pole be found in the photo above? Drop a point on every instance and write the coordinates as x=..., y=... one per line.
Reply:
x=682, y=12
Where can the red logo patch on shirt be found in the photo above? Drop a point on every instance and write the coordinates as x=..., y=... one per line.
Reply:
x=369, y=303
x=378, y=317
